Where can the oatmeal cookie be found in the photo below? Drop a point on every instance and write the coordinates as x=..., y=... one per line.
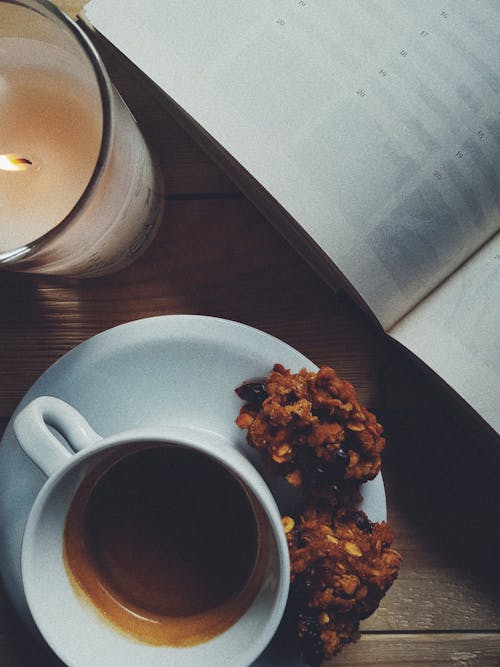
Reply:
x=342, y=564
x=311, y=428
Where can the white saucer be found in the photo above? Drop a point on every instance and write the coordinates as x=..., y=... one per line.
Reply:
x=180, y=369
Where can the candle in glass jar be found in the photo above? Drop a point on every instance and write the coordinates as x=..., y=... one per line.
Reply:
x=50, y=136
x=80, y=193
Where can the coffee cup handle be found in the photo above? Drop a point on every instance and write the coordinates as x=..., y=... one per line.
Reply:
x=31, y=427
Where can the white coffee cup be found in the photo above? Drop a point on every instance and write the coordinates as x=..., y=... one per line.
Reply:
x=66, y=617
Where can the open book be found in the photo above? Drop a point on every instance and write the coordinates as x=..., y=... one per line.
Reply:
x=369, y=133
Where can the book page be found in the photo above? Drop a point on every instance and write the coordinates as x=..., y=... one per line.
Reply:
x=375, y=124
x=456, y=331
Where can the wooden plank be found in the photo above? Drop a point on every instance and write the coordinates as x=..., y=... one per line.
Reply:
x=216, y=257
x=437, y=598
x=407, y=649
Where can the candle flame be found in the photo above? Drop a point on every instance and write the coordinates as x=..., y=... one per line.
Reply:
x=11, y=162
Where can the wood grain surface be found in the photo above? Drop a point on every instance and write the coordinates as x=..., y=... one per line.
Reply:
x=216, y=255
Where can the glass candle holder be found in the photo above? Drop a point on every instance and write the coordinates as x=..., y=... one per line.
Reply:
x=80, y=193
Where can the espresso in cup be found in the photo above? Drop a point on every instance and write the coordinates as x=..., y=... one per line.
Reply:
x=165, y=543
x=152, y=546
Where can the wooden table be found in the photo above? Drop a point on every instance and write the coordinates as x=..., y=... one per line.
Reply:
x=216, y=255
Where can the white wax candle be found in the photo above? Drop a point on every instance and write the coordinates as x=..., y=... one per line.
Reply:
x=52, y=118
x=56, y=109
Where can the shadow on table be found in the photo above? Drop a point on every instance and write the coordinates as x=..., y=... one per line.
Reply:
x=444, y=470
